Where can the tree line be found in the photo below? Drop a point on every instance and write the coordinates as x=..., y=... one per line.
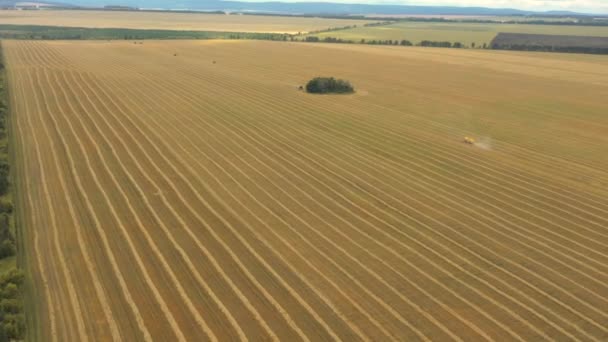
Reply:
x=552, y=48
x=402, y=42
x=12, y=316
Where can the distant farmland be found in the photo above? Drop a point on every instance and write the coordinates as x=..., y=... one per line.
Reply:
x=465, y=33
x=172, y=21
x=545, y=42
x=187, y=190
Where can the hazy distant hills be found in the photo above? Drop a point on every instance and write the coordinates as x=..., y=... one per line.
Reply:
x=302, y=7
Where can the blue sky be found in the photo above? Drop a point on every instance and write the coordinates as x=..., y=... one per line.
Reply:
x=586, y=6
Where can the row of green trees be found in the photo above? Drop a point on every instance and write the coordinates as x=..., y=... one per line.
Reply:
x=331, y=29
x=403, y=42
x=12, y=317
x=552, y=48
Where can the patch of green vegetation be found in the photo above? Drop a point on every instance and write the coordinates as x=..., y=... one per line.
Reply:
x=7, y=264
x=329, y=85
x=77, y=33
x=470, y=34
x=12, y=316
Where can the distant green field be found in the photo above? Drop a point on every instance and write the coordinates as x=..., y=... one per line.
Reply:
x=465, y=33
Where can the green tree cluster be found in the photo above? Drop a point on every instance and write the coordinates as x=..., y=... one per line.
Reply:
x=12, y=318
x=329, y=85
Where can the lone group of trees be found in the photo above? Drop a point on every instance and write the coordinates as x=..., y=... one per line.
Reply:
x=329, y=85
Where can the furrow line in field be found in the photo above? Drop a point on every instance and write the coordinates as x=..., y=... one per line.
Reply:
x=359, y=105
x=440, y=256
x=65, y=269
x=98, y=224
x=275, y=133
x=168, y=234
x=461, y=132
x=184, y=90
x=325, y=299
x=188, y=260
x=421, y=118
x=396, y=292
x=354, y=204
x=570, y=231
x=288, y=319
x=431, y=141
x=99, y=291
x=541, y=227
x=276, y=216
x=181, y=292
x=17, y=114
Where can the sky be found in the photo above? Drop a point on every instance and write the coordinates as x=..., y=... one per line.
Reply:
x=583, y=6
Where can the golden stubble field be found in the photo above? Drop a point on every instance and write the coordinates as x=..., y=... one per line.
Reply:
x=173, y=198
x=172, y=21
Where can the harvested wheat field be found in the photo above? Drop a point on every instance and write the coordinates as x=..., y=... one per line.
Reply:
x=173, y=21
x=165, y=196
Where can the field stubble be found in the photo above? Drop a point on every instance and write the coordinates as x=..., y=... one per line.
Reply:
x=175, y=198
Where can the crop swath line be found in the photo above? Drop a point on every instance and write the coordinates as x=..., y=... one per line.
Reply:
x=370, y=254
x=293, y=270
x=72, y=295
x=152, y=245
x=355, y=185
x=50, y=303
x=279, y=204
x=430, y=141
x=386, y=109
x=98, y=225
x=238, y=235
x=61, y=110
x=294, y=162
x=101, y=295
x=193, y=212
x=380, y=278
x=246, y=208
x=329, y=105
x=419, y=118
x=166, y=231
x=583, y=265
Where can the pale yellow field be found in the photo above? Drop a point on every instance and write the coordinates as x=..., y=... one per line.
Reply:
x=173, y=198
x=171, y=21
